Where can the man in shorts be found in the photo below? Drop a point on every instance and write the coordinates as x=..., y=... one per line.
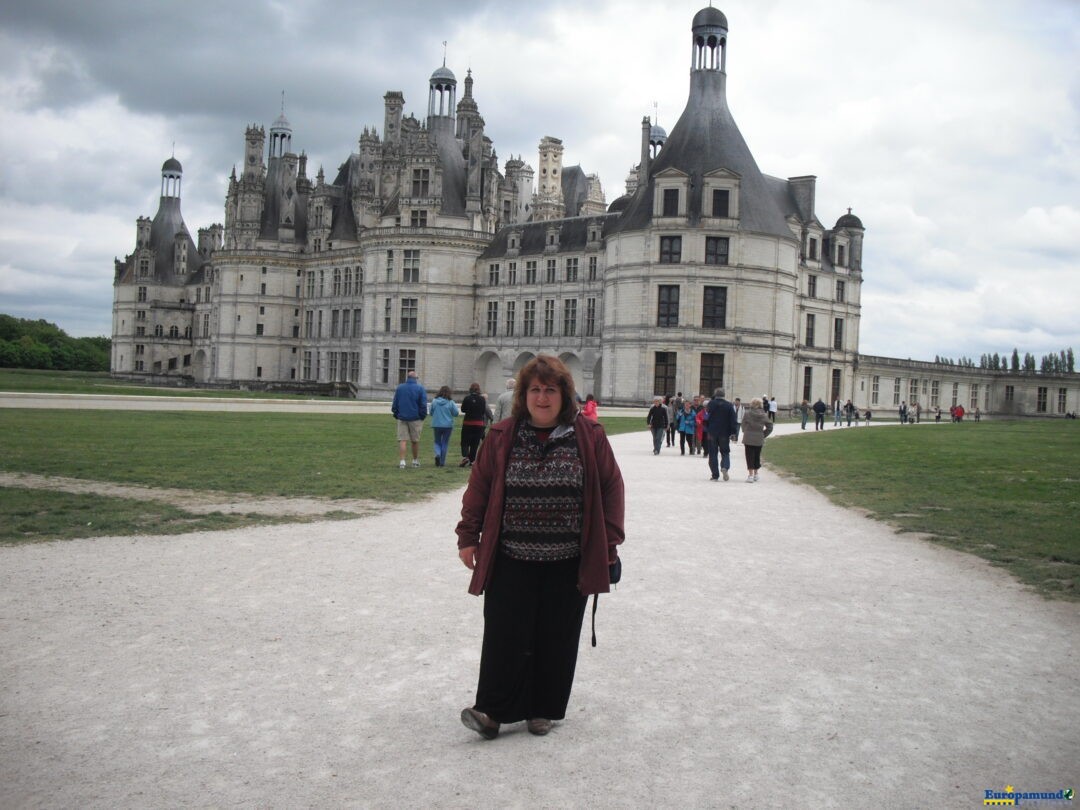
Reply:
x=409, y=409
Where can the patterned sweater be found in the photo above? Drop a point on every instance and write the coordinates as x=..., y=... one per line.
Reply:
x=544, y=505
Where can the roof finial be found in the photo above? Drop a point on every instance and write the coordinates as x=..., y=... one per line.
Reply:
x=849, y=209
x=282, y=102
x=444, y=53
x=174, y=148
x=656, y=112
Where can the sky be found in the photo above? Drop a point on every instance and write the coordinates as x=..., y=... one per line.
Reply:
x=952, y=129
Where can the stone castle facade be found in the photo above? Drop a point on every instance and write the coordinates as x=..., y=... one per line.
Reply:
x=421, y=253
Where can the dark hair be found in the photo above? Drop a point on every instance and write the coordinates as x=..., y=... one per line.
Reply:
x=589, y=398
x=550, y=371
x=474, y=388
x=444, y=392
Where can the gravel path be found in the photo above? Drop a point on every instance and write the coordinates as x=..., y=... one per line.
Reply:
x=765, y=649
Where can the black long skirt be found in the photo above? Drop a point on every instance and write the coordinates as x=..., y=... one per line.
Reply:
x=532, y=625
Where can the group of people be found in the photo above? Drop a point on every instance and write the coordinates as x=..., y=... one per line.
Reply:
x=410, y=408
x=709, y=426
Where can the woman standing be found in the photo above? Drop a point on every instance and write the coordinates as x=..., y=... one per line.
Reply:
x=756, y=426
x=475, y=410
x=443, y=411
x=540, y=522
x=687, y=426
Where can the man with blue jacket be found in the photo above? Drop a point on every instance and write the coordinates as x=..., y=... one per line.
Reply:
x=409, y=409
x=721, y=426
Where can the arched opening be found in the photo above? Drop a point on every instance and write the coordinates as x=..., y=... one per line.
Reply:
x=488, y=372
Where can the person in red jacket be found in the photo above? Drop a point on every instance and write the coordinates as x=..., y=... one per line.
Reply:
x=540, y=522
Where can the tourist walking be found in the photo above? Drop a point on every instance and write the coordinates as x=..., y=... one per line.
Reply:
x=541, y=521
x=756, y=427
x=720, y=425
x=687, y=424
x=804, y=412
x=773, y=409
x=410, y=409
x=672, y=415
x=476, y=415
x=819, y=414
x=505, y=402
x=837, y=408
x=443, y=412
x=740, y=411
x=657, y=422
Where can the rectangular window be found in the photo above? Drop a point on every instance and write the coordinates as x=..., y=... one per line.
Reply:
x=142, y=294
x=310, y=286
x=530, y=272
x=333, y=323
x=318, y=326
x=841, y=290
x=354, y=366
x=140, y=331
x=549, y=317
x=812, y=249
x=309, y=317
x=835, y=384
x=810, y=323
x=322, y=282
x=409, y=309
x=974, y=396
x=492, y=318
x=406, y=363
x=384, y=370
x=667, y=305
x=572, y=269
x=896, y=391
x=716, y=249
x=356, y=321
x=714, y=310
x=569, y=328
x=306, y=372
x=721, y=200
x=389, y=265
x=875, y=390
x=421, y=182
x=388, y=312
x=258, y=329
x=807, y=382
x=206, y=325
x=913, y=391
x=549, y=276
x=838, y=334
x=955, y=394
x=418, y=218
x=671, y=202
x=332, y=364
x=590, y=317
x=335, y=286
x=664, y=373
x=670, y=249
x=935, y=392
x=1010, y=393
x=528, y=322
x=1040, y=399
x=1061, y=399
x=712, y=373
x=511, y=313
x=493, y=275
x=840, y=255
x=811, y=286
x=511, y=273
x=410, y=267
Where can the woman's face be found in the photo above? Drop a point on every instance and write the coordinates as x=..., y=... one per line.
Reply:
x=544, y=401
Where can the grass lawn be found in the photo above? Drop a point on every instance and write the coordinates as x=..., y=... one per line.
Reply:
x=22, y=380
x=1007, y=491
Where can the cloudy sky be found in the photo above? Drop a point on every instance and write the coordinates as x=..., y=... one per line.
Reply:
x=950, y=128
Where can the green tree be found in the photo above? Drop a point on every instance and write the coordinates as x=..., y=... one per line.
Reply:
x=1016, y=360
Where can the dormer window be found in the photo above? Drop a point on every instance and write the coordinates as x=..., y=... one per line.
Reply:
x=672, y=187
x=671, y=202
x=811, y=249
x=840, y=256
x=721, y=201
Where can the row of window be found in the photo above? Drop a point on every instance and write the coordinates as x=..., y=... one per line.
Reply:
x=717, y=249
x=159, y=331
x=547, y=325
x=840, y=289
x=713, y=307
x=571, y=271
x=665, y=373
x=809, y=339
x=342, y=282
x=343, y=323
x=808, y=384
x=671, y=203
x=812, y=252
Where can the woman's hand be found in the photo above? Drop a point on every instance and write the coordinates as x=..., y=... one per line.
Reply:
x=468, y=556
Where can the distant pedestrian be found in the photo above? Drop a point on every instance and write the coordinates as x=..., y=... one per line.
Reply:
x=505, y=403
x=443, y=411
x=837, y=408
x=773, y=409
x=819, y=414
x=740, y=412
x=672, y=415
x=978, y=413
x=756, y=427
x=476, y=416
x=804, y=412
x=588, y=410
x=903, y=412
x=868, y=415
x=657, y=422
x=410, y=409
x=721, y=426
x=686, y=424
x=849, y=411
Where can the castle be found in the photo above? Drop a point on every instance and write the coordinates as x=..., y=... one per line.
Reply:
x=422, y=255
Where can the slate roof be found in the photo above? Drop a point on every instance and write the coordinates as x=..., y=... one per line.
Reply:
x=168, y=222
x=573, y=236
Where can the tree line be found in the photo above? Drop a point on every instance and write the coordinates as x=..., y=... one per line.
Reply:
x=1064, y=362
x=40, y=344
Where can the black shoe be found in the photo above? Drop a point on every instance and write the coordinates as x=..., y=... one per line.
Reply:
x=480, y=723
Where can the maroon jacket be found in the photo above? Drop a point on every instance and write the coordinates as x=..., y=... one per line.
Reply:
x=602, y=524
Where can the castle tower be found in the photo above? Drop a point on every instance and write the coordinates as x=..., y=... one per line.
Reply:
x=254, y=139
x=280, y=136
x=171, y=174
x=442, y=90
x=394, y=102
x=548, y=202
